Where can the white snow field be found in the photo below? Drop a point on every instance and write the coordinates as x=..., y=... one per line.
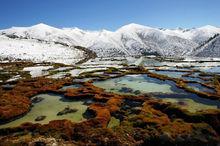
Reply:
x=38, y=51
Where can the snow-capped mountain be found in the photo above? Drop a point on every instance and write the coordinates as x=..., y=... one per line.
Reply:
x=132, y=39
x=40, y=32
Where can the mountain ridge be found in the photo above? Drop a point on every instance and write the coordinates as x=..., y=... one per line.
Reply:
x=129, y=40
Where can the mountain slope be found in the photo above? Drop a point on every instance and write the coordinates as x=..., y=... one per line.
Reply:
x=209, y=49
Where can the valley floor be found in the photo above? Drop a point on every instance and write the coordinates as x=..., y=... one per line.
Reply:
x=111, y=101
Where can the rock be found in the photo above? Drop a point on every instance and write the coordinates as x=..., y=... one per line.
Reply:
x=182, y=103
x=137, y=92
x=136, y=110
x=88, y=114
x=165, y=137
x=8, y=87
x=133, y=103
x=179, y=139
x=40, y=118
x=67, y=110
x=43, y=141
x=88, y=102
x=126, y=90
x=39, y=143
x=125, y=107
x=37, y=99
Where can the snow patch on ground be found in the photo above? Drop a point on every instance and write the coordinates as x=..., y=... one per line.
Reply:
x=77, y=72
x=38, y=71
x=14, y=78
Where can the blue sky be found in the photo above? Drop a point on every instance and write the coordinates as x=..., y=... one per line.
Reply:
x=109, y=14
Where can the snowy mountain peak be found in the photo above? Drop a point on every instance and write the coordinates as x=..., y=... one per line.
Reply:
x=133, y=26
x=37, y=26
x=41, y=25
x=209, y=27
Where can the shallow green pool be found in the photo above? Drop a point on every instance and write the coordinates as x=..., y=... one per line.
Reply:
x=135, y=82
x=49, y=107
x=166, y=90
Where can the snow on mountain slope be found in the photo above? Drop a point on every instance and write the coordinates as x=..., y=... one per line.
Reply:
x=155, y=40
x=38, y=51
x=129, y=40
x=197, y=35
x=210, y=49
x=41, y=32
x=204, y=33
